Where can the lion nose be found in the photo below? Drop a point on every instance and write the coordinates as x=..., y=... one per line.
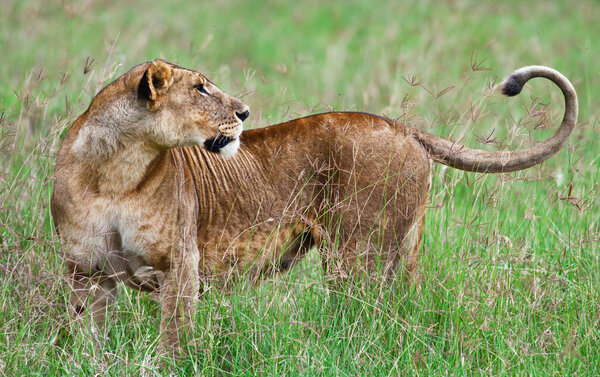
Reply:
x=242, y=116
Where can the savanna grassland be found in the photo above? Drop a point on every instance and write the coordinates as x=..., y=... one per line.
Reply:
x=509, y=270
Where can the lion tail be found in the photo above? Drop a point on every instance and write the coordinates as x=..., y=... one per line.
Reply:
x=475, y=160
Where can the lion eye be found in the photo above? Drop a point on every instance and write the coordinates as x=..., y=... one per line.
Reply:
x=201, y=89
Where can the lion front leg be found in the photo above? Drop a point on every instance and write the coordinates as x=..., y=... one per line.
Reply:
x=91, y=263
x=179, y=298
x=91, y=293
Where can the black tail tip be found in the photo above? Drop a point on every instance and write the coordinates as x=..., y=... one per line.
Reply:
x=512, y=85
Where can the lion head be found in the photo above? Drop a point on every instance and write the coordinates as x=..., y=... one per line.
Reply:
x=164, y=104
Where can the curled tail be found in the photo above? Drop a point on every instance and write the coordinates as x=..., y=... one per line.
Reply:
x=464, y=158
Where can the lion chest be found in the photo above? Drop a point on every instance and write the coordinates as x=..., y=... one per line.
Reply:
x=144, y=231
x=140, y=229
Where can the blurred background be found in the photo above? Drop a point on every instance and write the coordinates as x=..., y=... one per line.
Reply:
x=293, y=57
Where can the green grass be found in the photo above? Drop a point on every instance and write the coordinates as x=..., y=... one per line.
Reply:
x=510, y=266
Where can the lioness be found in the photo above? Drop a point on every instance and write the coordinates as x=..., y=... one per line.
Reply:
x=157, y=186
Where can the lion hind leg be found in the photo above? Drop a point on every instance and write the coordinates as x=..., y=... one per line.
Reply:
x=410, y=249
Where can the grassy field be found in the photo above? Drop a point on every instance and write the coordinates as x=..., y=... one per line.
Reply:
x=510, y=263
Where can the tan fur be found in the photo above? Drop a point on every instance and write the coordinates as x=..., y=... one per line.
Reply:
x=138, y=200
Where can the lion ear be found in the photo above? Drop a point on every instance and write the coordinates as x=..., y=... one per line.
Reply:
x=155, y=82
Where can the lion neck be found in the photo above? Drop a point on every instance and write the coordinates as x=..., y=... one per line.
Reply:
x=125, y=169
x=113, y=157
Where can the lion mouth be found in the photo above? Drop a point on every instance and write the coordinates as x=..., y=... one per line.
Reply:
x=215, y=144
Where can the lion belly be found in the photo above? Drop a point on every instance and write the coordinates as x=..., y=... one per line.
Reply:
x=256, y=251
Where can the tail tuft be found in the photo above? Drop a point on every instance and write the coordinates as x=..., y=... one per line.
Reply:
x=512, y=85
x=464, y=158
